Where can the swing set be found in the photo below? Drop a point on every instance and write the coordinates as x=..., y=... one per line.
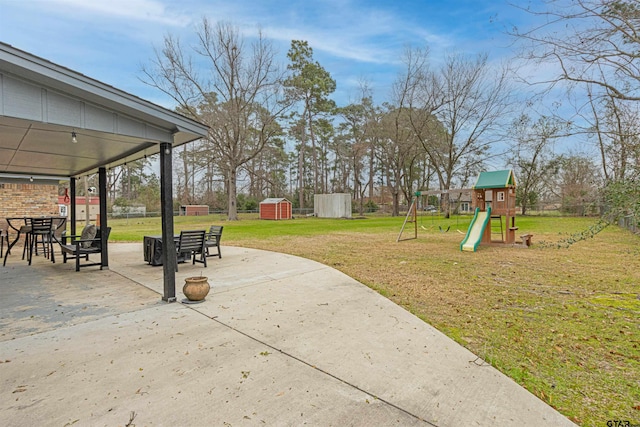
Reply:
x=412, y=213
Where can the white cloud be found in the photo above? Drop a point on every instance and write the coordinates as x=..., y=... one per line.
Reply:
x=349, y=37
x=135, y=10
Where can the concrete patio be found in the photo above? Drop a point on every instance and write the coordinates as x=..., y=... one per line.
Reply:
x=280, y=340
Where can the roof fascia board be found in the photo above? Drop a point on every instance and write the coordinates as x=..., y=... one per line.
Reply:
x=37, y=69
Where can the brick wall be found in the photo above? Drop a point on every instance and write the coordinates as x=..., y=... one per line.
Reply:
x=30, y=199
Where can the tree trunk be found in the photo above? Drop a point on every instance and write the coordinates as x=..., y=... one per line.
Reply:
x=314, y=155
x=185, y=170
x=301, y=175
x=233, y=208
x=446, y=204
x=396, y=201
x=371, y=173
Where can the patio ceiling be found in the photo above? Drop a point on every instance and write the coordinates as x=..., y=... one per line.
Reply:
x=42, y=103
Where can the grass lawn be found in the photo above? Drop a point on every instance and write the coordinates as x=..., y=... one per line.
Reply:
x=561, y=318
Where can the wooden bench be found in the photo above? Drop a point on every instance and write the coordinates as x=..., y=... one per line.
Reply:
x=526, y=239
x=79, y=248
x=213, y=240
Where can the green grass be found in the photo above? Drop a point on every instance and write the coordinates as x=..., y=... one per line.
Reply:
x=251, y=228
x=560, y=318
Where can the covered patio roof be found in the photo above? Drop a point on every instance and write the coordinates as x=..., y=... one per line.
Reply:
x=42, y=103
x=55, y=122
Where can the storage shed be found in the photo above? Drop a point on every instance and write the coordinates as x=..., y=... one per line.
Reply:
x=336, y=205
x=194, y=210
x=275, y=208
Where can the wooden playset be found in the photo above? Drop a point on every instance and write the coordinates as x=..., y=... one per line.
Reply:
x=497, y=190
x=493, y=198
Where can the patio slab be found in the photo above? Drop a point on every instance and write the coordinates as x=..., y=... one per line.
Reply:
x=280, y=340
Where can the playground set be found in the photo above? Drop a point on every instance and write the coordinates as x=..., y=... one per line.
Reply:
x=493, y=197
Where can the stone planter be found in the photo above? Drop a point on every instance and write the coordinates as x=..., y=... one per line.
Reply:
x=196, y=288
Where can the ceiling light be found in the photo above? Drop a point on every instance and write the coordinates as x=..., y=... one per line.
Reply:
x=74, y=138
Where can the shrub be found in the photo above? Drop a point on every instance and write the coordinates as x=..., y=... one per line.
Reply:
x=371, y=206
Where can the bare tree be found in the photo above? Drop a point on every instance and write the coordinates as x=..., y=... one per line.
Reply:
x=237, y=93
x=578, y=183
x=457, y=112
x=615, y=126
x=595, y=47
x=398, y=151
x=532, y=158
x=593, y=42
x=267, y=171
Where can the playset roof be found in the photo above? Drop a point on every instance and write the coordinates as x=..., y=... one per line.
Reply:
x=495, y=179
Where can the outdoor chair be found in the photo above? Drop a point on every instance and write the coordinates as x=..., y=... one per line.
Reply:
x=192, y=242
x=80, y=247
x=213, y=241
x=40, y=232
x=4, y=237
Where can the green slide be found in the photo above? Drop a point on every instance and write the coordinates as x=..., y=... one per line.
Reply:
x=475, y=231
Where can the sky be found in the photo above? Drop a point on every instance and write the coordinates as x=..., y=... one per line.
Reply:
x=354, y=40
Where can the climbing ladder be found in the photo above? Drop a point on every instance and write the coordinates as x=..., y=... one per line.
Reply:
x=494, y=227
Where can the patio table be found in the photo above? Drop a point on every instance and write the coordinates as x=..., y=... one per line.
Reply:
x=20, y=225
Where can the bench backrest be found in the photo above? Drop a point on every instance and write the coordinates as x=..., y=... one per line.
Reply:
x=192, y=240
x=97, y=243
x=215, y=233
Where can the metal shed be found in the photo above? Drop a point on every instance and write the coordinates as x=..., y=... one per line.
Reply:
x=336, y=205
x=275, y=208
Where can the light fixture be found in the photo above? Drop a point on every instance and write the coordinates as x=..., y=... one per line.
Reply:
x=74, y=138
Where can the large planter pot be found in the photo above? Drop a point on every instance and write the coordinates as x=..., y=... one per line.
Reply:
x=196, y=288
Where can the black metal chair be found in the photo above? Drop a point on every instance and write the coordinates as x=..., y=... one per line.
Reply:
x=4, y=237
x=192, y=242
x=57, y=228
x=213, y=241
x=40, y=232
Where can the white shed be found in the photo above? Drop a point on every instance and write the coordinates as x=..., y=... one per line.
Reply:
x=337, y=205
